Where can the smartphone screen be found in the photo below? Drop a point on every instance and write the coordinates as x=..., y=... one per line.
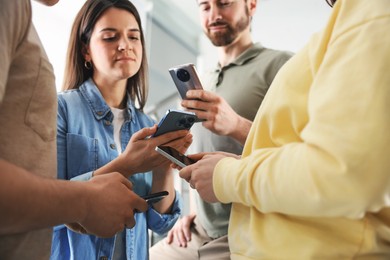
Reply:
x=174, y=156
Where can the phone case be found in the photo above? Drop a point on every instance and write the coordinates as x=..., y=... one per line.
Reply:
x=176, y=120
x=185, y=78
x=155, y=197
x=174, y=156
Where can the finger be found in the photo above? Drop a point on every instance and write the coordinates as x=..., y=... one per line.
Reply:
x=76, y=227
x=126, y=182
x=203, y=95
x=176, y=236
x=169, y=237
x=192, y=105
x=187, y=230
x=182, y=239
x=203, y=114
x=197, y=156
x=143, y=133
x=181, y=144
x=140, y=205
x=185, y=173
x=175, y=166
x=130, y=222
x=169, y=137
x=185, y=140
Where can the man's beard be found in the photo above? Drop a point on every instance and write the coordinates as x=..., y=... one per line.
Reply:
x=231, y=31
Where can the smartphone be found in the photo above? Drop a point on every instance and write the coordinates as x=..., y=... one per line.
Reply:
x=155, y=197
x=174, y=156
x=176, y=120
x=185, y=78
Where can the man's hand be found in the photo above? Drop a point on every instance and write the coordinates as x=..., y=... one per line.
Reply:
x=181, y=231
x=219, y=117
x=110, y=205
x=200, y=174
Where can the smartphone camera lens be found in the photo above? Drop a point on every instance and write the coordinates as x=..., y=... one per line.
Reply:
x=182, y=122
x=183, y=75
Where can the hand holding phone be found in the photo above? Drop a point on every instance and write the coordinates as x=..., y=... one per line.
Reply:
x=174, y=156
x=176, y=120
x=185, y=78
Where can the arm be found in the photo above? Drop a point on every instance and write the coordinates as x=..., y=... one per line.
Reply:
x=140, y=156
x=163, y=180
x=102, y=206
x=220, y=118
x=340, y=166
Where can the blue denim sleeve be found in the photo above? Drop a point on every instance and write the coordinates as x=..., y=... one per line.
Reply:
x=162, y=223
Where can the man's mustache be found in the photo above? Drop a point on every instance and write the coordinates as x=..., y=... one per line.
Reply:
x=218, y=23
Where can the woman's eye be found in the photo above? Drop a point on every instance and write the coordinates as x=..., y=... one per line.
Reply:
x=109, y=39
x=133, y=38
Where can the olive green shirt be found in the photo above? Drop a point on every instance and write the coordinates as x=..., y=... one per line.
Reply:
x=243, y=84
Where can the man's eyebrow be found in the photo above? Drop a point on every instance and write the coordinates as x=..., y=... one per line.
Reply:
x=202, y=3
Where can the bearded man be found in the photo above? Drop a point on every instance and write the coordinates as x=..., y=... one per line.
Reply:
x=233, y=93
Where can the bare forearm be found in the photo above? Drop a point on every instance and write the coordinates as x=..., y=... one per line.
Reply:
x=30, y=202
x=114, y=166
x=241, y=130
x=163, y=180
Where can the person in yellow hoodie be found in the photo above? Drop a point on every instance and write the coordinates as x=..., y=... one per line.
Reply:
x=313, y=181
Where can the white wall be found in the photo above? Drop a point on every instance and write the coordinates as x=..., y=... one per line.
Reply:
x=279, y=24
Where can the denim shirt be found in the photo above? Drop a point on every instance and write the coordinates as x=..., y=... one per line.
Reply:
x=85, y=142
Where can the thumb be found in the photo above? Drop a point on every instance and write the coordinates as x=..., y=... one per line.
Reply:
x=144, y=133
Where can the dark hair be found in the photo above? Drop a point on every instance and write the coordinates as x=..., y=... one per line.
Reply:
x=75, y=71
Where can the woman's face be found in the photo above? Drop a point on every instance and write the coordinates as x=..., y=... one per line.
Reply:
x=115, y=48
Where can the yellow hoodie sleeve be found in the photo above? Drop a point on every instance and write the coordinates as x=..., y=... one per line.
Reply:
x=320, y=143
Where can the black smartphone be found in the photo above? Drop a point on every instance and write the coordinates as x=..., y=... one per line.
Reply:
x=155, y=197
x=185, y=78
x=174, y=156
x=176, y=120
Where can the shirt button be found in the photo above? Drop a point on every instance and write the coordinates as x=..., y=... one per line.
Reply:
x=103, y=258
x=112, y=146
x=107, y=122
x=99, y=113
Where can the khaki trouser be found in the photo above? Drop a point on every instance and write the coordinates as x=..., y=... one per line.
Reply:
x=201, y=246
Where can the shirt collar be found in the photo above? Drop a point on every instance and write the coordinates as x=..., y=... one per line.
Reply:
x=97, y=103
x=247, y=55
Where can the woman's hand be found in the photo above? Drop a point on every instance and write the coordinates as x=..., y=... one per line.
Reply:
x=140, y=154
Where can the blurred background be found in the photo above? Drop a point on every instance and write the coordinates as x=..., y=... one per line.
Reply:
x=173, y=37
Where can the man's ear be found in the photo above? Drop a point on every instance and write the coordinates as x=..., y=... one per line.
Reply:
x=252, y=4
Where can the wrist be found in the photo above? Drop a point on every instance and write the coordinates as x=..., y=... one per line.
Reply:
x=241, y=129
